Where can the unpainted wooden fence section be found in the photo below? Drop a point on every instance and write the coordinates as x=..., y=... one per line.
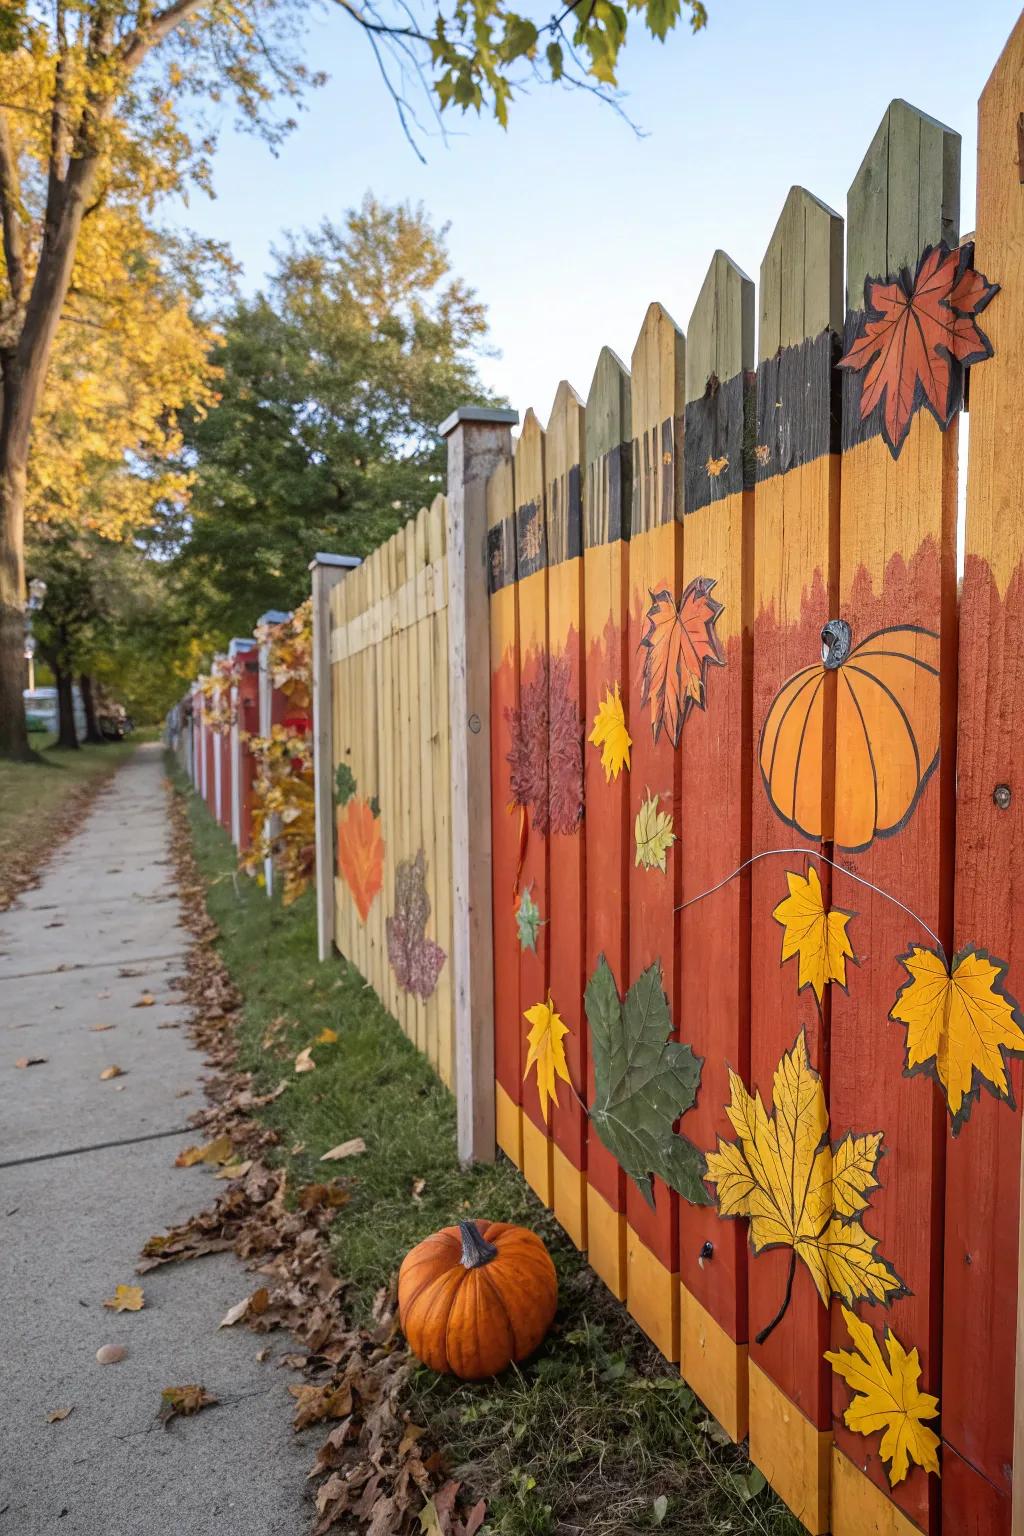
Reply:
x=387, y=643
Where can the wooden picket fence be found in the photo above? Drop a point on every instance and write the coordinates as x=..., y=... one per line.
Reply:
x=390, y=776
x=723, y=859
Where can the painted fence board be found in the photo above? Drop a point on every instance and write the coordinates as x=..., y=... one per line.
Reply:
x=564, y=449
x=895, y=761
x=607, y=827
x=715, y=753
x=983, y=1160
x=655, y=564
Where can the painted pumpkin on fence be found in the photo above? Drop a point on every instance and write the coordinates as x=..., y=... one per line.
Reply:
x=887, y=734
x=476, y=1297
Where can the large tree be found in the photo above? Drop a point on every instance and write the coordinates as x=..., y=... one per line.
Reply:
x=325, y=437
x=92, y=96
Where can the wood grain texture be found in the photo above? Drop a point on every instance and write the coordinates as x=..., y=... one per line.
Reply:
x=504, y=652
x=534, y=966
x=982, y=1287
x=563, y=469
x=606, y=822
x=897, y=567
x=475, y=449
x=715, y=785
x=795, y=590
x=655, y=563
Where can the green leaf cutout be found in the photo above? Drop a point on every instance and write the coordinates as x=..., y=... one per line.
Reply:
x=644, y=1081
x=344, y=784
x=528, y=922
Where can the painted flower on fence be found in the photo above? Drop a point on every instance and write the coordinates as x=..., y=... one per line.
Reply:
x=547, y=1051
x=546, y=759
x=961, y=1025
x=643, y=1081
x=886, y=713
x=915, y=338
x=886, y=1396
x=800, y=1192
x=677, y=647
x=653, y=834
x=610, y=735
x=415, y=959
x=360, y=852
x=818, y=937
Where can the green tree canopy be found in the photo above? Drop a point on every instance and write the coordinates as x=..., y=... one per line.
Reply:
x=325, y=437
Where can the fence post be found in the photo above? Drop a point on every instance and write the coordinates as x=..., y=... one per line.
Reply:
x=327, y=571
x=479, y=439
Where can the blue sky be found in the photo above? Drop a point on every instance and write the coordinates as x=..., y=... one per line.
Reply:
x=568, y=224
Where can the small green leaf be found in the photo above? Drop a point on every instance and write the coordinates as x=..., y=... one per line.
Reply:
x=555, y=60
x=643, y=1082
x=528, y=922
x=344, y=784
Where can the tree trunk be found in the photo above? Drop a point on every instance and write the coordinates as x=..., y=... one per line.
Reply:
x=13, y=732
x=93, y=734
x=67, y=735
x=24, y=369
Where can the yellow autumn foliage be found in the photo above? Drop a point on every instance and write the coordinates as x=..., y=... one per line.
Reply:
x=887, y=1397
x=818, y=937
x=547, y=1051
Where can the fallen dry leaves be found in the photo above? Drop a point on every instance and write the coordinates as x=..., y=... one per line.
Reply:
x=58, y=1415
x=126, y=1298
x=182, y=1402
x=217, y=1152
x=31, y=1061
x=145, y=1001
x=110, y=1354
x=374, y=1471
x=21, y=866
x=109, y=1073
x=345, y=1149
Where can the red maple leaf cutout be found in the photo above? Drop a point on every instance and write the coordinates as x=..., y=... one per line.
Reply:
x=678, y=646
x=916, y=337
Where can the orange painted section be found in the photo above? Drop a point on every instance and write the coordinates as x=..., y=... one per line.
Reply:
x=567, y=912
x=608, y=841
x=655, y=562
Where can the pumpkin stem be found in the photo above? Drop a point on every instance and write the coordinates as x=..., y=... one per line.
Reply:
x=476, y=1250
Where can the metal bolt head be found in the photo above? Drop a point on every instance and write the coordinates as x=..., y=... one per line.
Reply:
x=1001, y=795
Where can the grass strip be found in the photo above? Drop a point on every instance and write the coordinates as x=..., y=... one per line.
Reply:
x=596, y=1433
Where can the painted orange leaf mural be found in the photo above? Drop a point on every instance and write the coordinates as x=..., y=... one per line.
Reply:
x=798, y=1190
x=915, y=338
x=678, y=645
x=360, y=852
x=961, y=1025
x=887, y=1397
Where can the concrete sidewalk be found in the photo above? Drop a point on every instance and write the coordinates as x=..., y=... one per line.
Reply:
x=86, y=1175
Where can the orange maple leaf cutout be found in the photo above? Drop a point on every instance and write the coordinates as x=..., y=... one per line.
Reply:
x=916, y=336
x=677, y=646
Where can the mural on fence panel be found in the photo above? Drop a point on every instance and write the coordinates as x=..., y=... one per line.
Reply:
x=787, y=656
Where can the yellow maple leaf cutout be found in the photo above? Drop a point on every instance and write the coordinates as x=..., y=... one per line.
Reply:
x=654, y=835
x=960, y=1025
x=547, y=1053
x=611, y=735
x=799, y=1191
x=887, y=1397
x=818, y=937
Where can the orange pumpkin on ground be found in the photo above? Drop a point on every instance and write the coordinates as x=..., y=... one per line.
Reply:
x=886, y=709
x=475, y=1297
